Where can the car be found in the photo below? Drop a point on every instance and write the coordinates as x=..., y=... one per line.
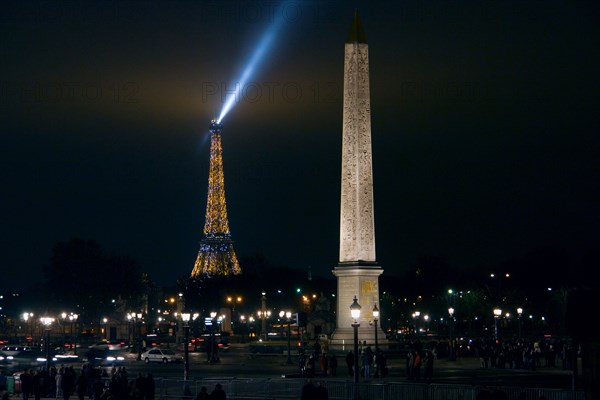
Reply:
x=27, y=359
x=108, y=345
x=14, y=350
x=101, y=345
x=161, y=355
x=66, y=356
x=103, y=357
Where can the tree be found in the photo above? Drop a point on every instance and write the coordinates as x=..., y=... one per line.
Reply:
x=82, y=274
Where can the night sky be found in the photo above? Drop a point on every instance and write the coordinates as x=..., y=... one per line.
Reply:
x=484, y=129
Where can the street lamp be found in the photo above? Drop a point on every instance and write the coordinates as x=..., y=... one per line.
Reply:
x=375, y=319
x=139, y=331
x=497, y=314
x=288, y=315
x=47, y=321
x=263, y=308
x=452, y=354
x=416, y=315
x=136, y=319
x=104, y=321
x=26, y=316
x=213, y=320
x=63, y=317
x=73, y=319
x=519, y=313
x=232, y=301
x=355, y=312
x=131, y=332
x=186, y=356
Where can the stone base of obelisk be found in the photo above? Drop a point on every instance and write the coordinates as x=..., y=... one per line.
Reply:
x=343, y=339
x=360, y=279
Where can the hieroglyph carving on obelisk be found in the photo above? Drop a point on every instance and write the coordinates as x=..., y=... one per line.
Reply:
x=357, y=225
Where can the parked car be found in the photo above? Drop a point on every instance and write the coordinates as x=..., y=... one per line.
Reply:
x=161, y=355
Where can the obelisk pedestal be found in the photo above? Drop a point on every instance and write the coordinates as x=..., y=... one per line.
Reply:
x=362, y=282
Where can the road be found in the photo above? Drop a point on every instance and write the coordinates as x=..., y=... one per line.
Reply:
x=237, y=362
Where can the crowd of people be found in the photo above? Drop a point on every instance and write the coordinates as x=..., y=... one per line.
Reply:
x=372, y=363
x=525, y=354
x=91, y=382
x=417, y=360
x=321, y=362
x=97, y=384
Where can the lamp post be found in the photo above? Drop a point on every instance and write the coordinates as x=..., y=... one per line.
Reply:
x=47, y=321
x=519, y=321
x=416, y=315
x=130, y=333
x=139, y=332
x=186, y=356
x=263, y=313
x=63, y=317
x=288, y=315
x=232, y=301
x=73, y=319
x=375, y=319
x=497, y=314
x=26, y=316
x=355, y=312
x=221, y=320
x=137, y=320
x=452, y=354
x=104, y=321
x=211, y=356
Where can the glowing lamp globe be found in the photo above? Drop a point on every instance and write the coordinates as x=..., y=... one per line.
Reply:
x=375, y=312
x=355, y=309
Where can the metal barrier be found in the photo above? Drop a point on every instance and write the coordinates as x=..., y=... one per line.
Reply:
x=337, y=390
x=275, y=389
x=249, y=388
x=518, y=393
x=371, y=391
x=452, y=392
x=408, y=391
x=285, y=389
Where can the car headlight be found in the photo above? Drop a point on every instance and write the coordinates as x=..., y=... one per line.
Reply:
x=110, y=358
x=120, y=358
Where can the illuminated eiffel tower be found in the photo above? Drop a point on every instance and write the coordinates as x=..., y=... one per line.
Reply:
x=216, y=255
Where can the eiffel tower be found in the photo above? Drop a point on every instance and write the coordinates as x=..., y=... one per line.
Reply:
x=216, y=255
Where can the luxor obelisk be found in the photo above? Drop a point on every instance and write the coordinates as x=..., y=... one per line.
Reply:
x=357, y=272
